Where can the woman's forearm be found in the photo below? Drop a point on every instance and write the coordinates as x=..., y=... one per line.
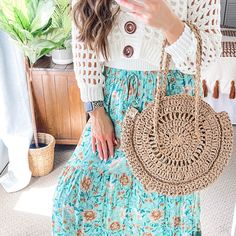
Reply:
x=174, y=29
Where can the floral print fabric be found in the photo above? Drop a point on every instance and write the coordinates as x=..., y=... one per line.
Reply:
x=98, y=198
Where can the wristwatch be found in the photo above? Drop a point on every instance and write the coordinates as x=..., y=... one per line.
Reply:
x=91, y=106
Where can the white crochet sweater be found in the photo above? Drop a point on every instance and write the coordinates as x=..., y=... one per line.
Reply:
x=146, y=42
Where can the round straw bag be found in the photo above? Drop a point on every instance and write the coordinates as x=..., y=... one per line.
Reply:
x=178, y=144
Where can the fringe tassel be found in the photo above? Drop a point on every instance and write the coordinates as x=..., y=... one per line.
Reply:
x=205, y=89
x=216, y=89
x=232, y=90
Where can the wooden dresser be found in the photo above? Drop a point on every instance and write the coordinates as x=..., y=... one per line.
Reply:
x=58, y=108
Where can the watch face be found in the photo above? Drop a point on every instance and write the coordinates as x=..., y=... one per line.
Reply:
x=88, y=106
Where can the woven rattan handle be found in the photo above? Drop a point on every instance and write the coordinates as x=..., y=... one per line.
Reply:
x=161, y=87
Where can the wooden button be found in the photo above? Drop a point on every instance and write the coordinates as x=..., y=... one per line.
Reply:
x=130, y=27
x=128, y=51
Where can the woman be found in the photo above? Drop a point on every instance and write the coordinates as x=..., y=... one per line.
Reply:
x=117, y=48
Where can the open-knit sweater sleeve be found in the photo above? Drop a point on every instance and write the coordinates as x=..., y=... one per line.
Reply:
x=206, y=15
x=87, y=68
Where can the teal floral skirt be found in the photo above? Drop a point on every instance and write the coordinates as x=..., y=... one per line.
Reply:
x=98, y=198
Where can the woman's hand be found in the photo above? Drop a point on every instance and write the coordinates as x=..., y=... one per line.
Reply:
x=158, y=14
x=103, y=135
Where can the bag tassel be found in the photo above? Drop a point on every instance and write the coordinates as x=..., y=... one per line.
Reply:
x=216, y=89
x=205, y=89
x=232, y=90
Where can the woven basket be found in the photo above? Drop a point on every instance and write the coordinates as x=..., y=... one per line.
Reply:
x=41, y=159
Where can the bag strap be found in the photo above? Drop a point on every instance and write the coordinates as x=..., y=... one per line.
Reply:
x=161, y=87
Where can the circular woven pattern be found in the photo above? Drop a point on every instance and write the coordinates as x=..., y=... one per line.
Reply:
x=178, y=163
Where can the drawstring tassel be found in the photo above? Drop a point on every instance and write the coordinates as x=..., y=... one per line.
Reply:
x=216, y=89
x=232, y=90
x=205, y=89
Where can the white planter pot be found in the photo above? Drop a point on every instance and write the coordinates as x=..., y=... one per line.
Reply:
x=62, y=56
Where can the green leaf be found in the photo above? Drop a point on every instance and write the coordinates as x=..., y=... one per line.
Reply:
x=4, y=24
x=21, y=19
x=20, y=35
x=43, y=30
x=31, y=7
x=38, y=48
x=61, y=18
x=44, y=12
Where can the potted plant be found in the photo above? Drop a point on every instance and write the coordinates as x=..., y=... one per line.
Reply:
x=61, y=19
x=29, y=23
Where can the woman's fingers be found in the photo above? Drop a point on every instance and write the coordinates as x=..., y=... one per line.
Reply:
x=103, y=133
x=114, y=139
x=99, y=148
x=132, y=6
x=93, y=144
x=110, y=147
x=104, y=149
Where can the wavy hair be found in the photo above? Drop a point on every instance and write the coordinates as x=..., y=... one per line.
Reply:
x=94, y=20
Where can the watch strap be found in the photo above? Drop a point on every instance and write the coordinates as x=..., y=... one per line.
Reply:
x=92, y=105
x=97, y=104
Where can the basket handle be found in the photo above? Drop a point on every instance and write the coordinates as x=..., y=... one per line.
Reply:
x=161, y=89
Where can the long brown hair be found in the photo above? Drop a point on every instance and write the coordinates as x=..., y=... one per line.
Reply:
x=94, y=20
